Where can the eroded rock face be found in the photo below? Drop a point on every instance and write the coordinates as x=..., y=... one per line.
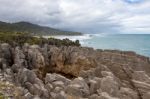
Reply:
x=109, y=85
x=51, y=72
x=127, y=93
x=78, y=87
x=6, y=56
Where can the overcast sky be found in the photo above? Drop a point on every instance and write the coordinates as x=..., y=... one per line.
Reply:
x=91, y=16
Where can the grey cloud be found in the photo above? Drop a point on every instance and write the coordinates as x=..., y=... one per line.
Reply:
x=92, y=16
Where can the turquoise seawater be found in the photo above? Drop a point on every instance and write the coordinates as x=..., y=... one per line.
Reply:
x=139, y=43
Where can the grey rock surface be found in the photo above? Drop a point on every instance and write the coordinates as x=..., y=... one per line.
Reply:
x=51, y=72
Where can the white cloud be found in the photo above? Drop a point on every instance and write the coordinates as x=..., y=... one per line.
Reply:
x=81, y=15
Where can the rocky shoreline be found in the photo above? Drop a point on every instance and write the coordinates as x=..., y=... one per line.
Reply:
x=71, y=72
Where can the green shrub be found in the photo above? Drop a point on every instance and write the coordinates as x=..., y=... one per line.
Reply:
x=21, y=38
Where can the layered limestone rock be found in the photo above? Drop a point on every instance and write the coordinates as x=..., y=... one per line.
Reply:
x=51, y=72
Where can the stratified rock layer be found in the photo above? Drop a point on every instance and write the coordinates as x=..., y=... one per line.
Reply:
x=51, y=72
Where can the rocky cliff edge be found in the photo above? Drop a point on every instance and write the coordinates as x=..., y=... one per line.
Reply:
x=50, y=72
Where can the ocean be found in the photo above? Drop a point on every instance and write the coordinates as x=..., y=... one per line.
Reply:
x=139, y=43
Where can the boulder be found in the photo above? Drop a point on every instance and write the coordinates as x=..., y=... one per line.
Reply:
x=93, y=85
x=5, y=53
x=37, y=90
x=141, y=76
x=57, y=89
x=61, y=95
x=50, y=78
x=19, y=57
x=78, y=87
x=141, y=86
x=58, y=84
x=94, y=96
x=15, y=68
x=26, y=75
x=49, y=87
x=110, y=86
x=56, y=77
x=127, y=93
x=28, y=96
x=35, y=57
x=105, y=95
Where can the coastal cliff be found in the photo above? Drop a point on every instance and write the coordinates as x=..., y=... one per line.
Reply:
x=72, y=72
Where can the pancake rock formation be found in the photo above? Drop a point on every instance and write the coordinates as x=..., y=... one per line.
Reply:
x=69, y=72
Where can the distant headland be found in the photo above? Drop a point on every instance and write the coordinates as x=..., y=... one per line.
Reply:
x=34, y=29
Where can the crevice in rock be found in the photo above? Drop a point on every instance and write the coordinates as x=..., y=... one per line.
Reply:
x=11, y=58
x=69, y=76
x=132, y=83
x=41, y=73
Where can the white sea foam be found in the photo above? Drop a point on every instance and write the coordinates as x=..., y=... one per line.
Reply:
x=100, y=34
x=144, y=49
x=73, y=38
x=82, y=38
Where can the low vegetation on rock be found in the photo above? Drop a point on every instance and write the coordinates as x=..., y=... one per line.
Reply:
x=21, y=38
